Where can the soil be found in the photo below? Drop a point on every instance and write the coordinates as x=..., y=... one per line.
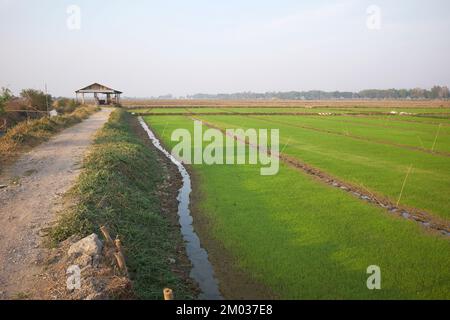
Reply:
x=35, y=184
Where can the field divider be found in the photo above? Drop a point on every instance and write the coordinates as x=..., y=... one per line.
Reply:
x=425, y=219
x=379, y=125
x=399, y=145
x=414, y=121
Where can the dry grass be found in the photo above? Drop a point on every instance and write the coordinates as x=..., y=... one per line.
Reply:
x=28, y=134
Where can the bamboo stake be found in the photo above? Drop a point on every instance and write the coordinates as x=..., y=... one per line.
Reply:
x=168, y=294
x=118, y=244
x=107, y=236
x=421, y=142
x=403, y=186
x=120, y=257
x=120, y=261
x=435, y=139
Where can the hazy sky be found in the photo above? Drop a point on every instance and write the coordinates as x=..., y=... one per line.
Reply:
x=149, y=48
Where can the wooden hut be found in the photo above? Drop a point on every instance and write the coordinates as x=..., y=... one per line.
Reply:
x=102, y=94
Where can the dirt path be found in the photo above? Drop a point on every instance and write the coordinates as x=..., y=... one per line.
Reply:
x=30, y=202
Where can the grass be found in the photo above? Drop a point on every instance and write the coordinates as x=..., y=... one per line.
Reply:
x=410, y=119
x=418, y=136
x=306, y=240
x=380, y=168
x=28, y=134
x=118, y=188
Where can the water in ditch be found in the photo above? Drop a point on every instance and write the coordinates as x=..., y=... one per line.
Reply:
x=202, y=271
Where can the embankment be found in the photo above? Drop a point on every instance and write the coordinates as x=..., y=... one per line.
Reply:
x=129, y=187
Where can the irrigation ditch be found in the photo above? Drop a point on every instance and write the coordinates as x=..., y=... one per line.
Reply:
x=202, y=270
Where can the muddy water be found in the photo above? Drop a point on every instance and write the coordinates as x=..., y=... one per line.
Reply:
x=202, y=271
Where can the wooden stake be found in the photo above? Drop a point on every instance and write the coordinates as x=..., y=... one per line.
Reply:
x=403, y=186
x=107, y=236
x=118, y=244
x=168, y=294
x=121, y=262
x=435, y=139
x=120, y=257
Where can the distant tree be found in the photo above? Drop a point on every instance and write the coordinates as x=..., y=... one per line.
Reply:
x=435, y=92
x=438, y=92
x=403, y=93
x=36, y=100
x=445, y=92
x=5, y=96
x=417, y=93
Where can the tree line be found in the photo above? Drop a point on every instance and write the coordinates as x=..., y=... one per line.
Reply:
x=30, y=104
x=437, y=92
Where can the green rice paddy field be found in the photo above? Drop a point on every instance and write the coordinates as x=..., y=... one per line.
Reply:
x=303, y=239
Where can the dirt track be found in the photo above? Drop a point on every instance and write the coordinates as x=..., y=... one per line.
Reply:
x=30, y=203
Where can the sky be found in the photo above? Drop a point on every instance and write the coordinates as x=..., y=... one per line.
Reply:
x=149, y=48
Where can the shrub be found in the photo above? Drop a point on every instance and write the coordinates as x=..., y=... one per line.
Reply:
x=30, y=133
x=64, y=105
x=5, y=96
x=36, y=99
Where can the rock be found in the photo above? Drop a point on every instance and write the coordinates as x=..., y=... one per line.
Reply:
x=2, y=186
x=406, y=215
x=83, y=261
x=96, y=261
x=90, y=246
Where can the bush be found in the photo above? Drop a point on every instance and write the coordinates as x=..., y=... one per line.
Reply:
x=5, y=96
x=36, y=100
x=64, y=105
